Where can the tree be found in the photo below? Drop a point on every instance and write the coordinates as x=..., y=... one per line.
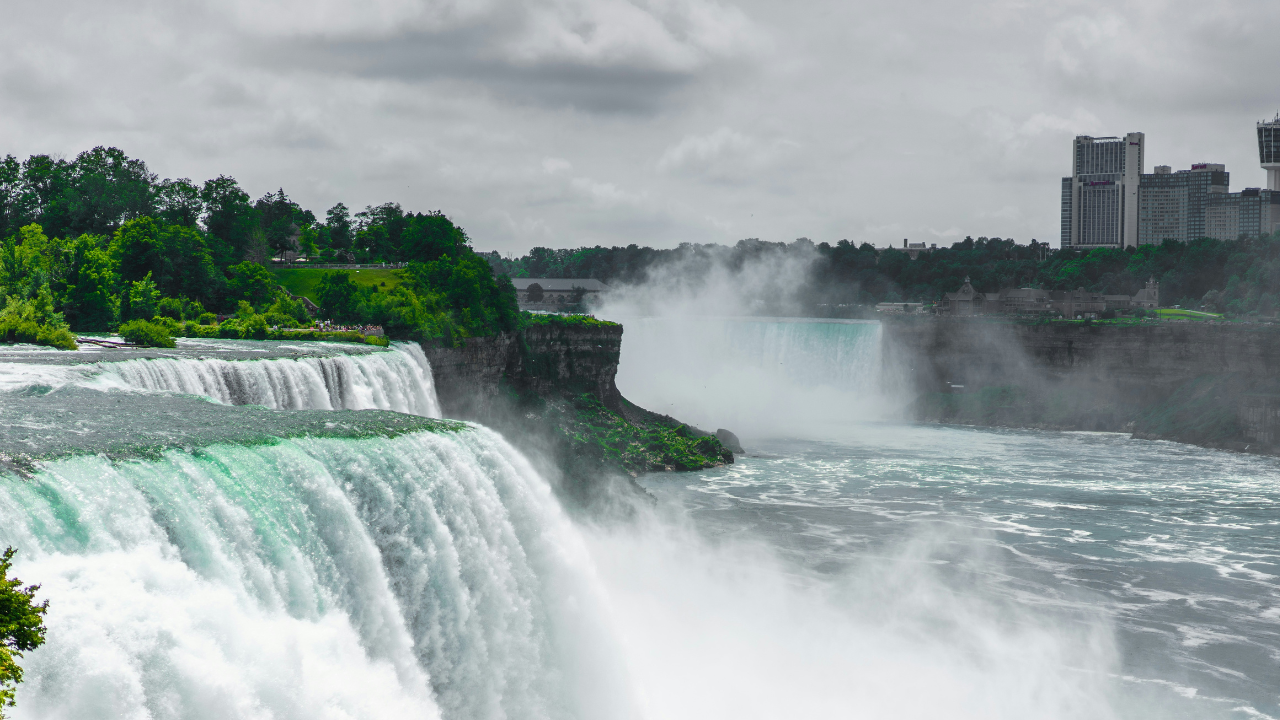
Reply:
x=140, y=300
x=250, y=282
x=339, y=297
x=281, y=220
x=178, y=202
x=175, y=256
x=229, y=217
x=338, y=226
x=86, y=285
x=534, y=293
x=432, y=236
x=21, y=627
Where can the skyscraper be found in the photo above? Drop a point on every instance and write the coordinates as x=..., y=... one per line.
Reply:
x=1172, y=205
x=1269, y=151
x=1101, y=209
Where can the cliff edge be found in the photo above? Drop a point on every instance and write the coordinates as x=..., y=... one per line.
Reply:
x=549, y=389
x=1212, y=384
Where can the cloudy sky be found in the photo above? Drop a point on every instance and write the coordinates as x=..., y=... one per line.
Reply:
x=580, y=122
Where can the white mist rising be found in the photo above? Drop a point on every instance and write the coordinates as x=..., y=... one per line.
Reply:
x=718, y=346
x=726, y=630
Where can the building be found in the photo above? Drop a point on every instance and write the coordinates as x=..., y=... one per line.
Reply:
x=1078, y=303
x=1173, y=205
x=1025, y=301
x=1148, y=298
x=1250, y=213
x=968, y=301
x=898, y=308
x=1269, y=151
x=1100, y=199
x=552, y=292
x=915, y=248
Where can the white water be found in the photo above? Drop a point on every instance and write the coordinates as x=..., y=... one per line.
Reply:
x=397, y=380
x=420, y=577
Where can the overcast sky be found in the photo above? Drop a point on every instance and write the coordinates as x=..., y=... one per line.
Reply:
x=581, y=122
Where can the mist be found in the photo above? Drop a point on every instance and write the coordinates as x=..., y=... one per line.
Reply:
x=722, y=342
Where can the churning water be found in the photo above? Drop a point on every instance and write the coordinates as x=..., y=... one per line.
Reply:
x=873, y=569
x=206, y=560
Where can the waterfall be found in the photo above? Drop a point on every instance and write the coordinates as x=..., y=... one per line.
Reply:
x=759, y=376
x=428, y=575
x=399, y=380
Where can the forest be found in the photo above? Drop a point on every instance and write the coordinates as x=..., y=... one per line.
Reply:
x=100, y=243
x=1239, y=277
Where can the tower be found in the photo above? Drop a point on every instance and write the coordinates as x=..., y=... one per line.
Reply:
x=1269, y=151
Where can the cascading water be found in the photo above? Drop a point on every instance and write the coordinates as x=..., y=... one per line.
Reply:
x=428, y=575
x=399, y=380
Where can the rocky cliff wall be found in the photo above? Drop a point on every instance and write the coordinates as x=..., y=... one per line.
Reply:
x=1209, y=383
x=550, y=389
x=543, y=359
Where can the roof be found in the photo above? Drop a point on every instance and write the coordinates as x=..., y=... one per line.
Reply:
x=561, y=284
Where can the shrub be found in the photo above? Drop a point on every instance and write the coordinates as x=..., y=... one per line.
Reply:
x=255, y=327
x=230, y=328
x=146, y=334
x=207, y=319
x=33, y=321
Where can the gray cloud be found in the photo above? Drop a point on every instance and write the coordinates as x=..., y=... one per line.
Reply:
x=569, y=122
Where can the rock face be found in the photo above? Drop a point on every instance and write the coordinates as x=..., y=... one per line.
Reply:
x=550, y=390
x=543, y=359
x=730, y=441
x=1212, y=384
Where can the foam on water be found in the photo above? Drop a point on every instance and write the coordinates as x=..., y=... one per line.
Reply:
x=430, y=575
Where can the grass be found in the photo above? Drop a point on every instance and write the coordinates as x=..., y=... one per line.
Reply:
x=1170, y=313
x=304, y=281
x=528, y=319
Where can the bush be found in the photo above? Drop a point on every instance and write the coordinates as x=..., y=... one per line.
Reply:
x=255, y=327
x=33, y=321
x=146, y=334
x=230, y=328
x=207, y=319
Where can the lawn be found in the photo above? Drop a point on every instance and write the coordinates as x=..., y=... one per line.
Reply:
x=303, y=281
x=1173, y=313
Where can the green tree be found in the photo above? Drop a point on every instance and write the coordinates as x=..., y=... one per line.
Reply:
x=229, y=217
x=140, y=301
x=339, y=298
x=178, y=202
x=250, y=282
x=282, y=220
x=175, y=256
x=21, y=627
x=430, y=237
x=86, y=286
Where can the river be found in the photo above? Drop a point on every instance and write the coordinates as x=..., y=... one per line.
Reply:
x=210, y=559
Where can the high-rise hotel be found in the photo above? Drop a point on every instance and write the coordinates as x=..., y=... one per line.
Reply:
x=1100, y=199
x=1109, y=202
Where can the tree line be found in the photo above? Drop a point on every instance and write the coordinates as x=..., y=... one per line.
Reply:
x=1241, y=277
x=96, y=242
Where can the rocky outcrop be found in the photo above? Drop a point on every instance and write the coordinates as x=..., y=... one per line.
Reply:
x=1208, y=383
x=550, y=390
